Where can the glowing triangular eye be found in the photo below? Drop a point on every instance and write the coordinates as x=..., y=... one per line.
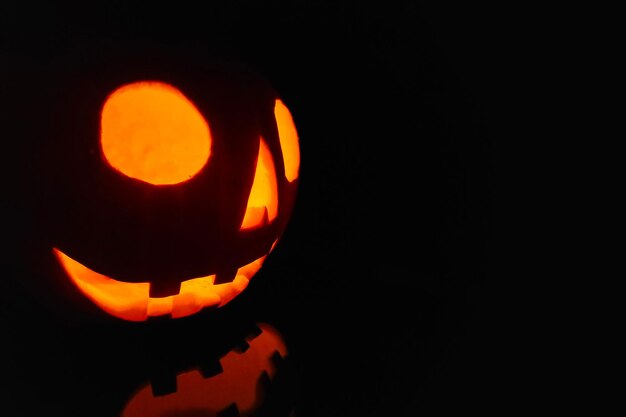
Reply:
x=150, y=131
x=263, y=201
x=289, y=142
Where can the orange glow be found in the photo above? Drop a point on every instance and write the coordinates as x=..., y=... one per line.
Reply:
x=238, y=383
x=131, y=301
x=289, y=141
x=150, y=131
x=263, y=200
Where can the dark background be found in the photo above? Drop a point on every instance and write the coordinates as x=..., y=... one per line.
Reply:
x=391, y=286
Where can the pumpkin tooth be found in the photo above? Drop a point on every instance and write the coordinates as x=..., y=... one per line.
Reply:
x=230, y=290
x=164, y=384
x=163, y=289
x=225, y=276
x=210, y=368
x=255, y=331
x=241, y=347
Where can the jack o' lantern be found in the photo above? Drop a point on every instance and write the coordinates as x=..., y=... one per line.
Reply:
x=166, y=180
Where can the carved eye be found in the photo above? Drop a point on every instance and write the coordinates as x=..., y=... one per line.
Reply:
x=263, y=201
x=151, y=132
x=289, y=142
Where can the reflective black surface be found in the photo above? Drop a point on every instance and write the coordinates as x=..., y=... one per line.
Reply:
x=384, y=286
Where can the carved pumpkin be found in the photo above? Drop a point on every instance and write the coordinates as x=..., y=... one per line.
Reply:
x=167, y=179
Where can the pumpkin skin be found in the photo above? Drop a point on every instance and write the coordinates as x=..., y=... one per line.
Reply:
x=133, y=247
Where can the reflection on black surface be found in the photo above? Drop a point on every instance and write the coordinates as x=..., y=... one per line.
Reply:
x=239, y=386
x=226, y=365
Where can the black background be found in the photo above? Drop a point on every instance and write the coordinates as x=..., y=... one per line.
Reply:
x=391, y=285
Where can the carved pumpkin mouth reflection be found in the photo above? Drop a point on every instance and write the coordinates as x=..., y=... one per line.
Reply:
x=131, y=301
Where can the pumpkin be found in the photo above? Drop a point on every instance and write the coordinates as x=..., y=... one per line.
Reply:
x=165, y=179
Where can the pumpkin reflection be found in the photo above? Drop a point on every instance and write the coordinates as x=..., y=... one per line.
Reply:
x=238, y=390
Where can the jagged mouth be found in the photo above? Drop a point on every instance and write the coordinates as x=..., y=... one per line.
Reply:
x=131, y=301
x=240, y=382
